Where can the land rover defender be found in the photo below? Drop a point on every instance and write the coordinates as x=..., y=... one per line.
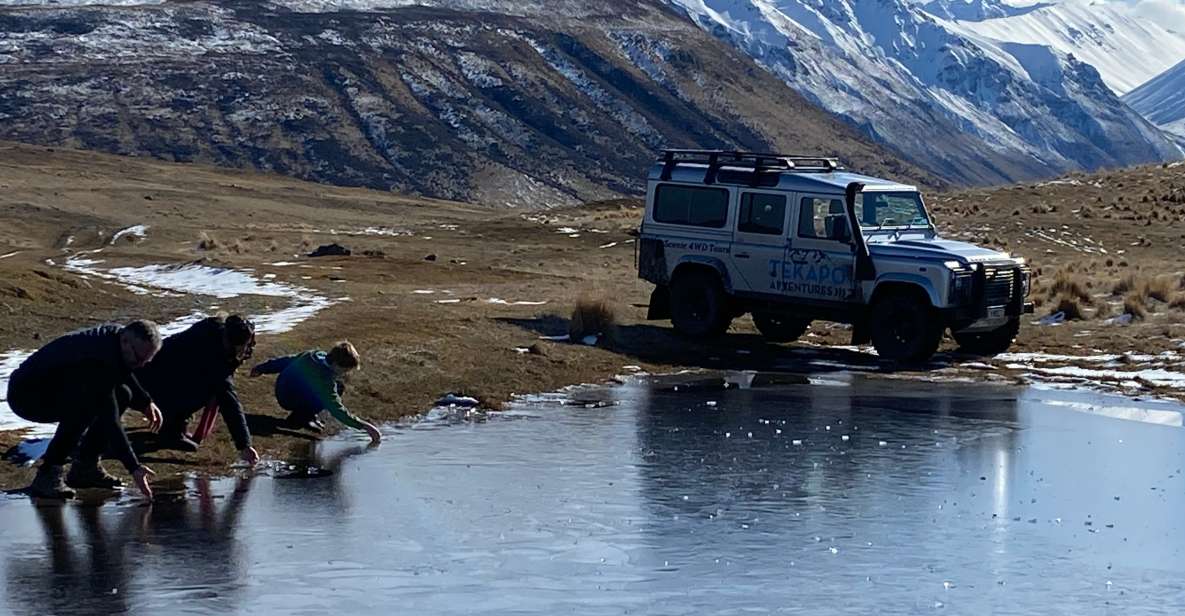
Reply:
x=794, y=239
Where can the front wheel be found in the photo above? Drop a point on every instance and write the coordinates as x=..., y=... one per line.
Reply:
x=699, y=307
x=905, y=327
x=780, y=328
x=990, y=342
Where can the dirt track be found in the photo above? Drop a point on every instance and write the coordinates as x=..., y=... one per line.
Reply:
x=432, y=306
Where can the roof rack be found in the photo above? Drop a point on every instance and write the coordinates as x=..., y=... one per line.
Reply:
x=755, y=161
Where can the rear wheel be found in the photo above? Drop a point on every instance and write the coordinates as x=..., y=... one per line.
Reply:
x=699, y=307
x=905, y=327
x=990, y=342
x=780, y=328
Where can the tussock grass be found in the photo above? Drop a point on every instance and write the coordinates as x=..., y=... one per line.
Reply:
x=593, y=316
x=1125, y=285
x=1067, y=285
x=1070, y=307
x=1177, y=302
x=1160, y=288
x=1134, y=305
x=208, y=242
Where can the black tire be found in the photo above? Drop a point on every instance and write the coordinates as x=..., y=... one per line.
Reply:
x=990, y=342
x=780, y=328
x=699, y=307
x=905, y=327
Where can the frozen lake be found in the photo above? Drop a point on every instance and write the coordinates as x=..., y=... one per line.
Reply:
x=847, y=496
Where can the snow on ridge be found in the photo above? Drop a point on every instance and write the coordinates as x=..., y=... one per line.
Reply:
x=1126, y=48
x=1023, y=101
x=1162, y=99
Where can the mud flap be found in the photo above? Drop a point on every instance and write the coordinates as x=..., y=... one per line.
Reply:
x=660, y=304
x=861, y=332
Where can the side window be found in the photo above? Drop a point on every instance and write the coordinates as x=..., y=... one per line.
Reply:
x=691, y=205
x=762, y=213
x=823, y=219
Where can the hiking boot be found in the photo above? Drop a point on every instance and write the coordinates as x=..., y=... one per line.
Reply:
x=179, y=442
x=89, y=475
x=48, y=483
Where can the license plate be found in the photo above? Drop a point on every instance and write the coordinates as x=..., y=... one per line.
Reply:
x=995, y=313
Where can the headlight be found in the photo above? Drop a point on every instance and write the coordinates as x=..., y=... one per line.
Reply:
x=1026, y=279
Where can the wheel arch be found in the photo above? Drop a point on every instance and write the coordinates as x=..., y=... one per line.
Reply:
x=905, y=283
x=704, y=264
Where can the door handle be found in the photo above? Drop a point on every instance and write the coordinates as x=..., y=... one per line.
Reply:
x=742, y=255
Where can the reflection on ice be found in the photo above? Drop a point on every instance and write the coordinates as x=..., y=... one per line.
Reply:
x=968, y=497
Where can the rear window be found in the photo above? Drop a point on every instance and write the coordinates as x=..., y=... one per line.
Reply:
x=691, y=205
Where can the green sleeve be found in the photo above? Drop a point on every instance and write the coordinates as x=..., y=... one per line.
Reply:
x=340, y=413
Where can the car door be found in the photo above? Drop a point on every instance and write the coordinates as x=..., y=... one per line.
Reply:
x=760, y=238
x=820, y=261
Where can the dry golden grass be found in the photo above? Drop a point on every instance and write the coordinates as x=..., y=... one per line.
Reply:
x=207, y=242
x=1160, y=288
x=1126, y=285
x=1067, y=285
x=593, y=317
x=1134, y=305
x=1070, y=307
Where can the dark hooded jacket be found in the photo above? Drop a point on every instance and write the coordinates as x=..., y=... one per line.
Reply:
x=193, y=368
x=90, y=359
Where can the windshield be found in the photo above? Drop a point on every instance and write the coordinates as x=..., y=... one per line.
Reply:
x=891, y=209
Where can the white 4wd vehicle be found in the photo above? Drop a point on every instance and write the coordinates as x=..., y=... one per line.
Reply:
x=795, y=239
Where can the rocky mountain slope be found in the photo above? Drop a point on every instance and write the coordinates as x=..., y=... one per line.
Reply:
x=505, y=103
x=972, y=108
x=1162, y=100
x=1125, y=47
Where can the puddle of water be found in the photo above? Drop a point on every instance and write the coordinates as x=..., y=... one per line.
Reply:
x=874, y=497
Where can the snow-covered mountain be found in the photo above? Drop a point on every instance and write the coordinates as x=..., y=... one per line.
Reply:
x=975, y=10
x=1162, y=99
x=961, y=102
x=523, y=103
x=1114, y=37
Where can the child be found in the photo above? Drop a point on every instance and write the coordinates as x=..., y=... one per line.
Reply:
x=312, y=382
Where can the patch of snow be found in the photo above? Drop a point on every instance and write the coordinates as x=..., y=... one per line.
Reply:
x=1051, y=357
x=136, y=231
x=217, y=282
x=495, y=300
x=1155, y=376
x=384, y=231
x=11, y=254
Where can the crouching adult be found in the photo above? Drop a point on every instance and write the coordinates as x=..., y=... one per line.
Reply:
x=83, y=381
x=195, y=370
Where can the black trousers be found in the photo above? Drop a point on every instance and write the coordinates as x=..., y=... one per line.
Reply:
x=305, y=413
x=77, y=409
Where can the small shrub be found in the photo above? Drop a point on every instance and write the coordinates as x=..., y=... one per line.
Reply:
x=1160, y=288
x=1178, y=302
x=1068, y=306
x=1067, y=285
x=592, y=317
x=1127, y=284
x=1103, y=311
x=207, y=242
x=1134, y=305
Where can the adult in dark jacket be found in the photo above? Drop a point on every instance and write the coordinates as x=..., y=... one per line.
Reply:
x=194, y=369
x=83, y=381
